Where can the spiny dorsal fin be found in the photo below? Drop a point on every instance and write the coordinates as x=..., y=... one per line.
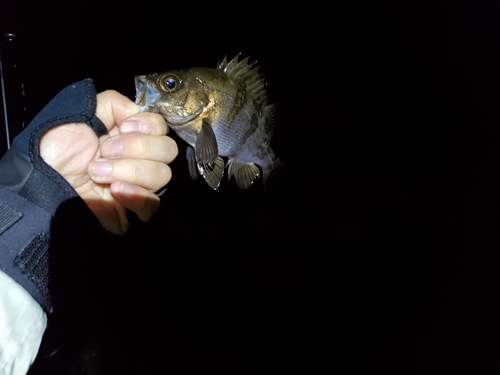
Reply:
x=246, y=74
x=222, y=64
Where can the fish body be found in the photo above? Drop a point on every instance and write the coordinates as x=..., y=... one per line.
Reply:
x=219, y=112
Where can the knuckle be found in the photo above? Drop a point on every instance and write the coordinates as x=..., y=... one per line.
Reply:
x=142, y=145
x=134, y=168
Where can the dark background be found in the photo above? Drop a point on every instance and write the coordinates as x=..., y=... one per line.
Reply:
x=378, y=246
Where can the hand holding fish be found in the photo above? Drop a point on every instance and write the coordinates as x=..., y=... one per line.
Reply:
x=118, y=171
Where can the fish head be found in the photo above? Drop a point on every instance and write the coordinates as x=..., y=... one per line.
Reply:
x=177, y=95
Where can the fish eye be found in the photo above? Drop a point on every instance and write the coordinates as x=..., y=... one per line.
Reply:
x=169, y=83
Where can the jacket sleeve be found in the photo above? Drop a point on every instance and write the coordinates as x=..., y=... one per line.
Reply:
x=31, y=191
x=22, y=325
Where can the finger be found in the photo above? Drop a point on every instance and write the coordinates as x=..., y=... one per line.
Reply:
x=135, y=198
x=113, y=108
x=151, y=175
x=140, y=146
x=146, y=123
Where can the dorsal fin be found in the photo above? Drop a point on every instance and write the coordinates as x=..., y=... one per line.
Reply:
x=246, y=74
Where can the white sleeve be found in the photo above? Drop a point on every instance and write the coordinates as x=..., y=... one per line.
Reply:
x=22, y=324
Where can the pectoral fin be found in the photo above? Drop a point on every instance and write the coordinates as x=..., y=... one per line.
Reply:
x=206, y=149
x=244, y=173
x=193, y=170
x=209, y=163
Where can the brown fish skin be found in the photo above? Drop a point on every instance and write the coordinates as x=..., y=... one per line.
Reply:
x=218, y=112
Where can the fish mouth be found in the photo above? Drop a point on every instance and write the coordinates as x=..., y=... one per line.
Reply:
x=146, y=96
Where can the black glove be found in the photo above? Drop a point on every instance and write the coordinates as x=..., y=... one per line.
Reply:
x=31, y=191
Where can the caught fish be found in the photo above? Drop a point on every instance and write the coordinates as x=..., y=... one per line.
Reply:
x=219, y=112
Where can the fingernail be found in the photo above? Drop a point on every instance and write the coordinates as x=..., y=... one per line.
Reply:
x=112, y=148
x=126, y=189
x=132, y=126
x=101, y=168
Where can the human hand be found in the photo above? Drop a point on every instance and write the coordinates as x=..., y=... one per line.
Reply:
x=118, y=171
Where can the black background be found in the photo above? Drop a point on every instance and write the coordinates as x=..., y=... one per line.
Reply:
x=377, y=249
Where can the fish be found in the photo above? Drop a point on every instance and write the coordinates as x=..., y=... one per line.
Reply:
x=221, y=112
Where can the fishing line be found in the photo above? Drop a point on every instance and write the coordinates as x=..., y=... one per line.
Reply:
x=4, y=102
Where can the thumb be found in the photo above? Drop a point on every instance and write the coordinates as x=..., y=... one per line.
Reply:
x=112, y=108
